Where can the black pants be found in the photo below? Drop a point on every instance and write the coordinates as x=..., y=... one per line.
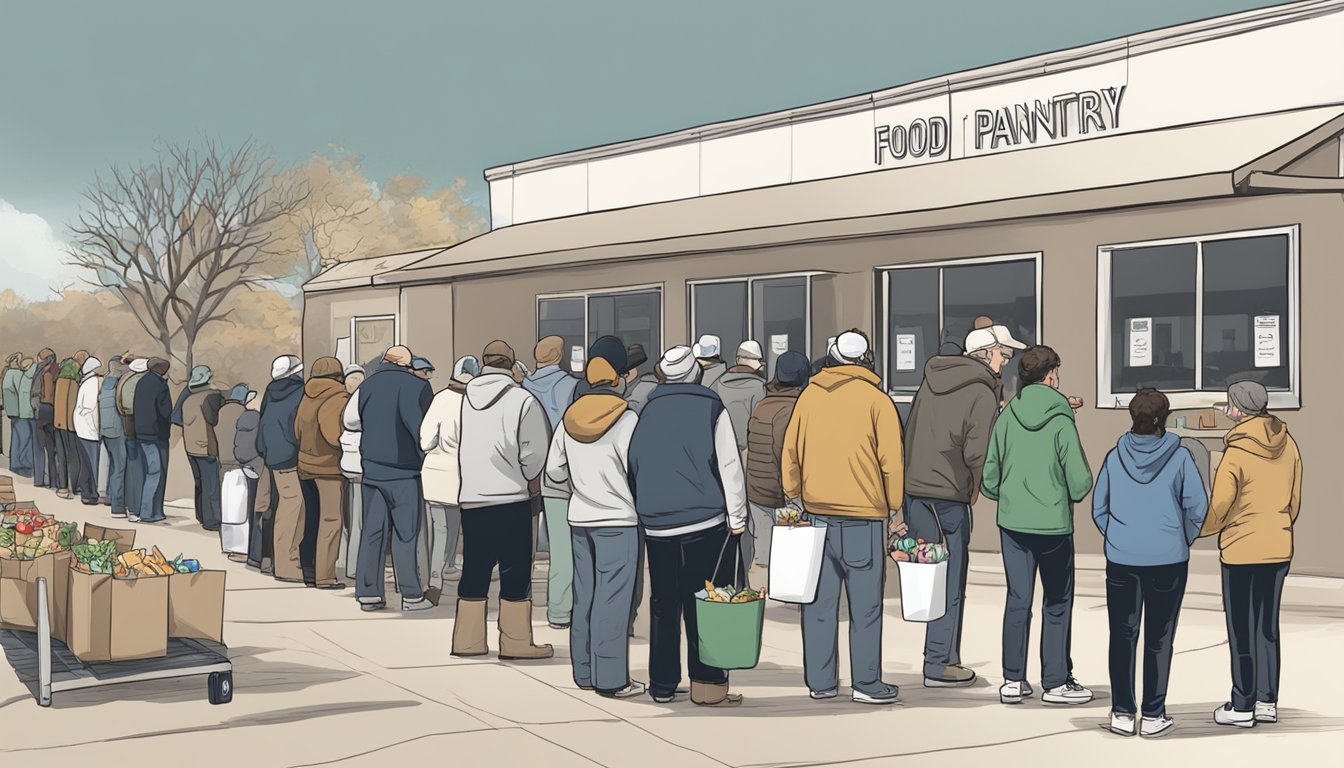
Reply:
x=497, y=536
x=209, y=505
x=44, y=449
x=1026, y=555
x=1153, y=594
x=88, y=470
x=1251, y=597
x=67, y=460
x=312, y=515
x=679, y=566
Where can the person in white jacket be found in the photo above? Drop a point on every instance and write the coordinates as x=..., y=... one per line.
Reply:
x=501, y=452
x=350, y=468
x=441, y=476
x=86, y=429
x=590, y=450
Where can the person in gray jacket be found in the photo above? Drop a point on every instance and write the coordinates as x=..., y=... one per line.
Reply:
x=741, y=388
x=709, y=354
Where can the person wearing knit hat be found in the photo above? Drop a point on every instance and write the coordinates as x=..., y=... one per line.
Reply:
x=741, y=388
x=136, y=370
x=765, y=444
x=709, y=352
x=86, y=429
x=690, y=498
x=197, y=413
x=317, y=427
x=1253, y=509
x=153, y=421
x=238, y=491
x=278, y=446
x=20, y=446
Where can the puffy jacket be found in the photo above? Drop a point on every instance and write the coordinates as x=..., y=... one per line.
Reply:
x=276, y=442
x=1149, y=502
x=226, y=434
x=505, y=436
x=590, y=451
x=740, y=389
x=200, y=416
x=153, y=409
x=318, y=427
x=1257, y=493
x=440, y=434
x=245, y=442
x=389, y=408
x=947, y=434
x=765, y=447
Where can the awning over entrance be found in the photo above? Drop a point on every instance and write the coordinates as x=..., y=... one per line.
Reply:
x=1169, y=165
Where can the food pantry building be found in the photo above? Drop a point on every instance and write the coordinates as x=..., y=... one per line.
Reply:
x=1164, y=210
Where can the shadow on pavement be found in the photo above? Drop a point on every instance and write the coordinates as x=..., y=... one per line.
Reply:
x=1195, y=721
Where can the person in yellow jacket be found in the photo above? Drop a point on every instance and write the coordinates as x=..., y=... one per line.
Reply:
x=1257, y=492
x=843, y=465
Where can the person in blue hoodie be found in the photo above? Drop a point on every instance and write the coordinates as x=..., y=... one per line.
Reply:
x=1149, y=504
x=279, y=449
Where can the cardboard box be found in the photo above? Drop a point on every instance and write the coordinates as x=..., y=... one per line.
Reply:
x=117, y=619
x=124, y=537
x=196, y=605
x=18, y=592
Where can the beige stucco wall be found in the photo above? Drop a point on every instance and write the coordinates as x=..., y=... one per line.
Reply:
x=327, y=315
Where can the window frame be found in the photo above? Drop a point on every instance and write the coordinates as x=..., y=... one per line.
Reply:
x=354, y=335
x=1198, y=397
x=587, y=294
x=883, y=305
x=749, y=281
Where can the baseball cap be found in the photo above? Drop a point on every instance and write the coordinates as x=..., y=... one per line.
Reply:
x=993, y=336
x=849, y=347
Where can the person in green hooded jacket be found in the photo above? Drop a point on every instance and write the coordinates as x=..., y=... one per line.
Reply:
x=1036, y=471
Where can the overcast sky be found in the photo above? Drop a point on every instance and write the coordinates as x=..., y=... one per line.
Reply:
x=446, y=89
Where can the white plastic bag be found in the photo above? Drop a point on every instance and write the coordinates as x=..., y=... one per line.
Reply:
x=233, y=530
x=795, y=562
x=923, y=590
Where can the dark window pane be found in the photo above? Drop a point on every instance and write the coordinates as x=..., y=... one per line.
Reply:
x=564, y=318
x=1003, y=291
x=779, y=306
x=912, y=303
x=1245, y=299
x=1155, y=288
x=721, y=309
x=634, y=318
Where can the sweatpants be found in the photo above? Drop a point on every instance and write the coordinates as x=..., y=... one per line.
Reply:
x=288, y=527
x=679, y=566
x=1152, y=594
x=115, y=448
x=1251, y=598
x=322, y=500
x=445, y=526
x=205, y=475
x=1025, y=555
x=942, y=637
x=134, y=485
x=560, y=570
x=392, y=509
x=605, y=560
x=88, y=470
x=854, y=556
x=497, y=536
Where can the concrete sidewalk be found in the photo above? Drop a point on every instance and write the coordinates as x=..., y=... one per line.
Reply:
x=319, y=683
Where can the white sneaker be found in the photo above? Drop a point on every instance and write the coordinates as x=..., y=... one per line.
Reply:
x=634, y=688
x=1226, y=715
x=1156, y=726
x=1266, y=712
x=889, y=694
x=823, y=695
x=1014, y=691
x=422, y=604
x=1122, y=724
x=1068, y=693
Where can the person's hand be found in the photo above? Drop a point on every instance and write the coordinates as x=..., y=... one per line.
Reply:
x=899, y=528
x=1075, y=402
x=738, y=531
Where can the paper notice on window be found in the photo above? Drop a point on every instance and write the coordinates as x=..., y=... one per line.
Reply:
x=1267, y=353
x=779, y=344
x=343, y=350
x=576, y=359
x=905, y=351
x=1140, y=342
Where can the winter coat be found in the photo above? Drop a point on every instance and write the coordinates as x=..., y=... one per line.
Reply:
x=555, y=390
x=276, y=442
x=26, y=385
x=199, y=417
x=765, y=447
x=86, y=421
x=1149, y=502
x=245, y=442
x=439, y=437
x=504, y=440
x=947, y=434
x=153, y=409
x=389, y=409
x=740, y=389
x=126, y=388
x=9, y=385
x=67, y=389
x=44, y=392
x=843, y=449
x=1035, y=467
x=590, y=451
x=317, y=426
x=639, y=392
x=710, y=374
x=226, y=434
x=1257, y=493
x=110, y=423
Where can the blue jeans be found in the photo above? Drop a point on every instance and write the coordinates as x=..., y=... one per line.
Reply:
x=116, y=473
x=155, y=458
x=605, y=560
x=135, y=477
x=21, y=446
x=942, y=637
x=88, y=470
x=205, y=475
x=854, y=555
x=391, y=508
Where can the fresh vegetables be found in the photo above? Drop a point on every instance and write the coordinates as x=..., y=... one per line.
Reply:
x=789, y=516
x=918, y=551
x=729, y=594
x=94, y=556
x=26, y=533
x=137, y=563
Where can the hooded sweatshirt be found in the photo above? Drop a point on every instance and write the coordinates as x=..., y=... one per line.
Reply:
x=947, y=434
x=740, y=389
x=1257, y=493
x=439, y=436
x=317, y=427
x=153, y=409
x=110, y=423
x=86, y=423
x=276, y=442
x=639, y=392
x=766, y=430
x=198, y=415
x=388, y=410
x=27, y=410
x=1035, y=467
x=591, y=451
x=226, y=433
x=555, y=389
x=1149, y=502
x=504, y=441
x=714, y=369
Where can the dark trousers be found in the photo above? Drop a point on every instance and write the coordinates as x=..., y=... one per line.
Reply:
x=44, y=449
x=1251, y=598
x=135, y=476
x=205, y=474
x=67, y=460
x=1024, y=556
x=498, y=536
x=260, y=547
x=641, y=561
x=88, y=470
x=1152, y=594
x=392, y=509
x=154, y=460
x=942, y=637
x=679, y=566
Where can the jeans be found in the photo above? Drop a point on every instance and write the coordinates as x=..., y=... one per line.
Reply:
x=135, y=477
x=605, y=560
x=88, y=470
x=287, y=525
x=1025, y=554
x=560, y=574
x=205, y=475
x=501, y=536
x=678, y=568
x=854, y=555
x=950, y=521
x=322, y=501
x=44, y=448
x=67, y=460
x=21, y=446
x=1153, y=593
x=445, y=525
x=356, y=510
x=102, y=471
x=1251, y=598
x=391, y=507
x=155, y=456
x=116, y=473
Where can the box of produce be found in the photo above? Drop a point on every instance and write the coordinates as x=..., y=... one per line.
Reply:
x=123, y=538
x=18, y=591
x=195, y=602
x=117, y=619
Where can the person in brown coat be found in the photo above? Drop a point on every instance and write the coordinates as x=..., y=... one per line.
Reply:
x=765, y=446
x=318, y=429
x=44, y=411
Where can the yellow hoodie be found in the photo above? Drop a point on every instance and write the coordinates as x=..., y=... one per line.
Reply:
x=1257, y=492
x=843, y=451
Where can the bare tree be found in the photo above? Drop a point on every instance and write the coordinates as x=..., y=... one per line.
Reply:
x=175, y=237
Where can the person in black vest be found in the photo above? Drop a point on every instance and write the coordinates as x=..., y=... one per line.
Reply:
x=690, y=495
x=153, y=420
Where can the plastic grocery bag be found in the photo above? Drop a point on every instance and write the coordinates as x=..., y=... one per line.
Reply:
x=233, y=530
x=923, y=590
x=795, y=562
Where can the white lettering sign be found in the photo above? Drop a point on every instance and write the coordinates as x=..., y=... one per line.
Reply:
x=1140, y=342
x=905, y=352
x=1267, y=341
x=576, y=358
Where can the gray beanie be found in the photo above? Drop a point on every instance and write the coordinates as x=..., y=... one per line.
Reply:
x=1249, y=397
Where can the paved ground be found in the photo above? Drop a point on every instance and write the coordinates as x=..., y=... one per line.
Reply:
x=319, y=683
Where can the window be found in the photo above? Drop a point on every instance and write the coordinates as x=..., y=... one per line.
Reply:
x=635, y=316
x=1192, y=316
x=775, y=311
x=372, y=337
x=926, y=306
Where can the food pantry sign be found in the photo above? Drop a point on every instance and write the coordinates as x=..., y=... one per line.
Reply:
x=1061, y=117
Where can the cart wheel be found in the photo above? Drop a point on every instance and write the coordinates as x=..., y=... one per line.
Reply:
x=221, y=687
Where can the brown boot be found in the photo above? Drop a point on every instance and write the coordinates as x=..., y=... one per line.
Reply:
x=469, y=629
x=714, y=695
x=515, y=632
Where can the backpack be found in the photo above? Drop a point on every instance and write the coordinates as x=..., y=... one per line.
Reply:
x=69, y=369
x=126, y=394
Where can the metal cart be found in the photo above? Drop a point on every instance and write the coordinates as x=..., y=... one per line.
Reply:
x=47, y=666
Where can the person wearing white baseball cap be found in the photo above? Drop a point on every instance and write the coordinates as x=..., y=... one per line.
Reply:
x=709, y=353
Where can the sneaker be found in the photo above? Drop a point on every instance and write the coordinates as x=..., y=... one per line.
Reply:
x=121, y=515
x=824, y=695
x=371, y=604
x=1157, y=726
x=888, y=694
x=1226, y=715
x=1068, y=693
x=557, y=625
x=953, y=676
x=1122, y=724
x=634, y=688
x=419, y=604
x=1266, y=712
x=132, y=518
x=667, y=698
x=1014, y=691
